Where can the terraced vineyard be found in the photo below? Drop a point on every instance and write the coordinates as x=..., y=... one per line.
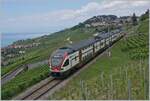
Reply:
x=50, y=43
x=123, y=75
x=136, y=46
x=129, y=81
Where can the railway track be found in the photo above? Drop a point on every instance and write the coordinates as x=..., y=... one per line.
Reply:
x=50, y=86
x=42, y=90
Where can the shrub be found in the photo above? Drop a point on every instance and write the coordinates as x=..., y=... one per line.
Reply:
x=22, y=86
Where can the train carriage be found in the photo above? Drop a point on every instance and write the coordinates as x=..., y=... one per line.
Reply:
x=72, y=57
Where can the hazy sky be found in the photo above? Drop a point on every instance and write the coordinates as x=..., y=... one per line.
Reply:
x=19, y=16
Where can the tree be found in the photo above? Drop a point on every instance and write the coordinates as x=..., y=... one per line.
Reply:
x=121, y=21
x=145, y=15
x=134, y=19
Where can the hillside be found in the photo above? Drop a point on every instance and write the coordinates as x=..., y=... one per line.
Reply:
x=38, y=49
x=49, y=43
x=101, y=18
x=122, y=76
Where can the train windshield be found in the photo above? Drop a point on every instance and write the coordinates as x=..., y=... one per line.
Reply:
x=56, y=61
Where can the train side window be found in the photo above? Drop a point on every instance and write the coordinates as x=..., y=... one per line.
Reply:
x=66, y=63
x=75, y=58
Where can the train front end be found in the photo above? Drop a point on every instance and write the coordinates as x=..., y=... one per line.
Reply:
x=59, y=63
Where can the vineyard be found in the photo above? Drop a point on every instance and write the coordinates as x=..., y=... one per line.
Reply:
x=136, y=46
x=126, y=82
x=124, y=75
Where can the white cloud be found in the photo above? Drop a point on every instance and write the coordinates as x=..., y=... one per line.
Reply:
x=112, y=4
x=68, y=17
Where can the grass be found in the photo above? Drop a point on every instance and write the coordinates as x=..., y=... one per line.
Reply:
x=117, y=77
x=88, y=80
x=15, y=65
x=48, y=44
x=136, y=46
x=98, y=85
x=23, y=81
x=104, y=85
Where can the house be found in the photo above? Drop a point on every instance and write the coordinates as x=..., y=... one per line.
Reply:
x=21, y=52
x=87, y=25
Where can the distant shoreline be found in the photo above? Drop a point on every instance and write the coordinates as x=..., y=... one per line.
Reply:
x=9, y=38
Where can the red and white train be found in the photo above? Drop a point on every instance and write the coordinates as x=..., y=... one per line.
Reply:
x=72, y=57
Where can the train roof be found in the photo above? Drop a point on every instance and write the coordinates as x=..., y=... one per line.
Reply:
x=82, y=44
x=87, y=42
x=105, y=35
x=76, y=46
x=62, y=51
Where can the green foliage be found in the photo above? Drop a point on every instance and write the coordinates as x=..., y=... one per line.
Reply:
x=49, y=43
x=109, y=77
x=143, y=27
x=137, y=45
x=96, y=85
x=134, y=19
x=15, y=65
x=23, y=81
x=145, y=16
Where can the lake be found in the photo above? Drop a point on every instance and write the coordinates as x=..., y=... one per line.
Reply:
x=9, y=38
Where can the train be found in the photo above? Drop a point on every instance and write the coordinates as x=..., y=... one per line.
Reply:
x=72, y=57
